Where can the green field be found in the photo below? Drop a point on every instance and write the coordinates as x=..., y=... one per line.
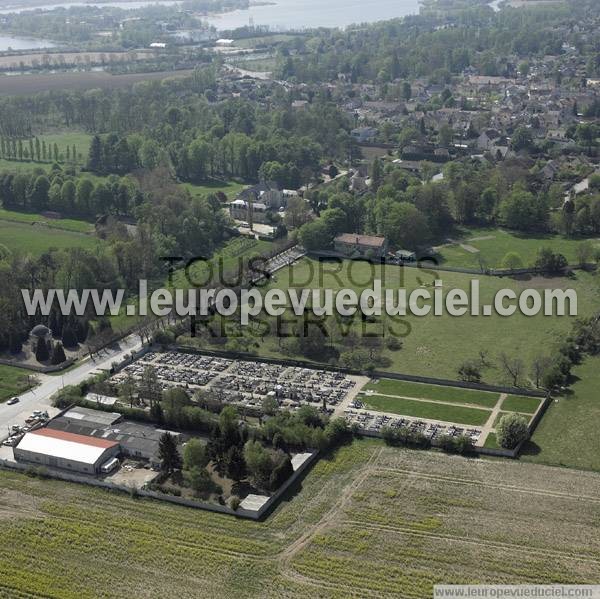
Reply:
x=522, y=404
x=433, y=392
x=34, y=239
x=80, y=140
x=13, y=381
x=229, y=188
x=428, y=410
x=494, y=244
x=438, y=345
x=369, y=521
x=264, y=40
x=568, y=433
x=257, y=64
x=66, y=224
x=14, y=166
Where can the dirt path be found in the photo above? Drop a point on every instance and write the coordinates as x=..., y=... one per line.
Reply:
x=434, y=401
x=489, y=425
x=333, y=515
x=478, y=483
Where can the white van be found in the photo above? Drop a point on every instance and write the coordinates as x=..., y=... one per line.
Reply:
x=109, y=466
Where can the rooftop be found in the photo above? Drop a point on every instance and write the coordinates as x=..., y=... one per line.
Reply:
x=65, y=445
x=365, y=240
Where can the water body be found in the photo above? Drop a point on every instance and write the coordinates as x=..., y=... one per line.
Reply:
x=283, y=14
x=22, y=43
x=304, y=14
x=124, y=5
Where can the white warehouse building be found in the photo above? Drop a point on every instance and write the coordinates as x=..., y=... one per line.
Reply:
x=67, y=451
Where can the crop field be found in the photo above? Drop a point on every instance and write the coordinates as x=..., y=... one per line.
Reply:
x=568, y=433
x=68, y=58
x=367, y=521
x=34, y=84
x=12, y=382
x=489, y=246
x=440, y=344
x=37, y=239
x=66, y=224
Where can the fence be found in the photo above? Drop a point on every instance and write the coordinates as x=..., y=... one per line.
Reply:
x=264, y=510
x=375, y=373
x=430, y=263
x=36, y=368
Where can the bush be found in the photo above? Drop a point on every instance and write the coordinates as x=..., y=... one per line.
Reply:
x=58, y=355
x=469, y=372
x=41, y=351
x=393, y=343
x=549, y=262
x=164, y=337
x=511, y=430
x=404, y=437
x=234, y=502
x=281, y=473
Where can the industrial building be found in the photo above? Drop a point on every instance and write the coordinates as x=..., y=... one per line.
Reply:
x=136, y=440
x=68, y=451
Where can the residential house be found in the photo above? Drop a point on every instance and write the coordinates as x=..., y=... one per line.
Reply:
x=363, y=246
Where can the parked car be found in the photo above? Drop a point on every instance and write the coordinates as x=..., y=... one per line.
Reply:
x=13, y=401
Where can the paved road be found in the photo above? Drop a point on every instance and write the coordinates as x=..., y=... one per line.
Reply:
x=39, y=397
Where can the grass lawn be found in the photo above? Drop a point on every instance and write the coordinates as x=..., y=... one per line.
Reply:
x=34, y=239
x=568, y=434
x=438, y=345
x=79, y=139
x=501, y=414
x=433, y=392
x=66, y=224
x=422, y=409
x=491, y=442
x=366, y=521
x=12, y=382
x=494, y=244
x=229, y=188
x=519, y=403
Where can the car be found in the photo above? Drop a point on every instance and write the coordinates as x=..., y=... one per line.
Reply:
x=13, y=401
